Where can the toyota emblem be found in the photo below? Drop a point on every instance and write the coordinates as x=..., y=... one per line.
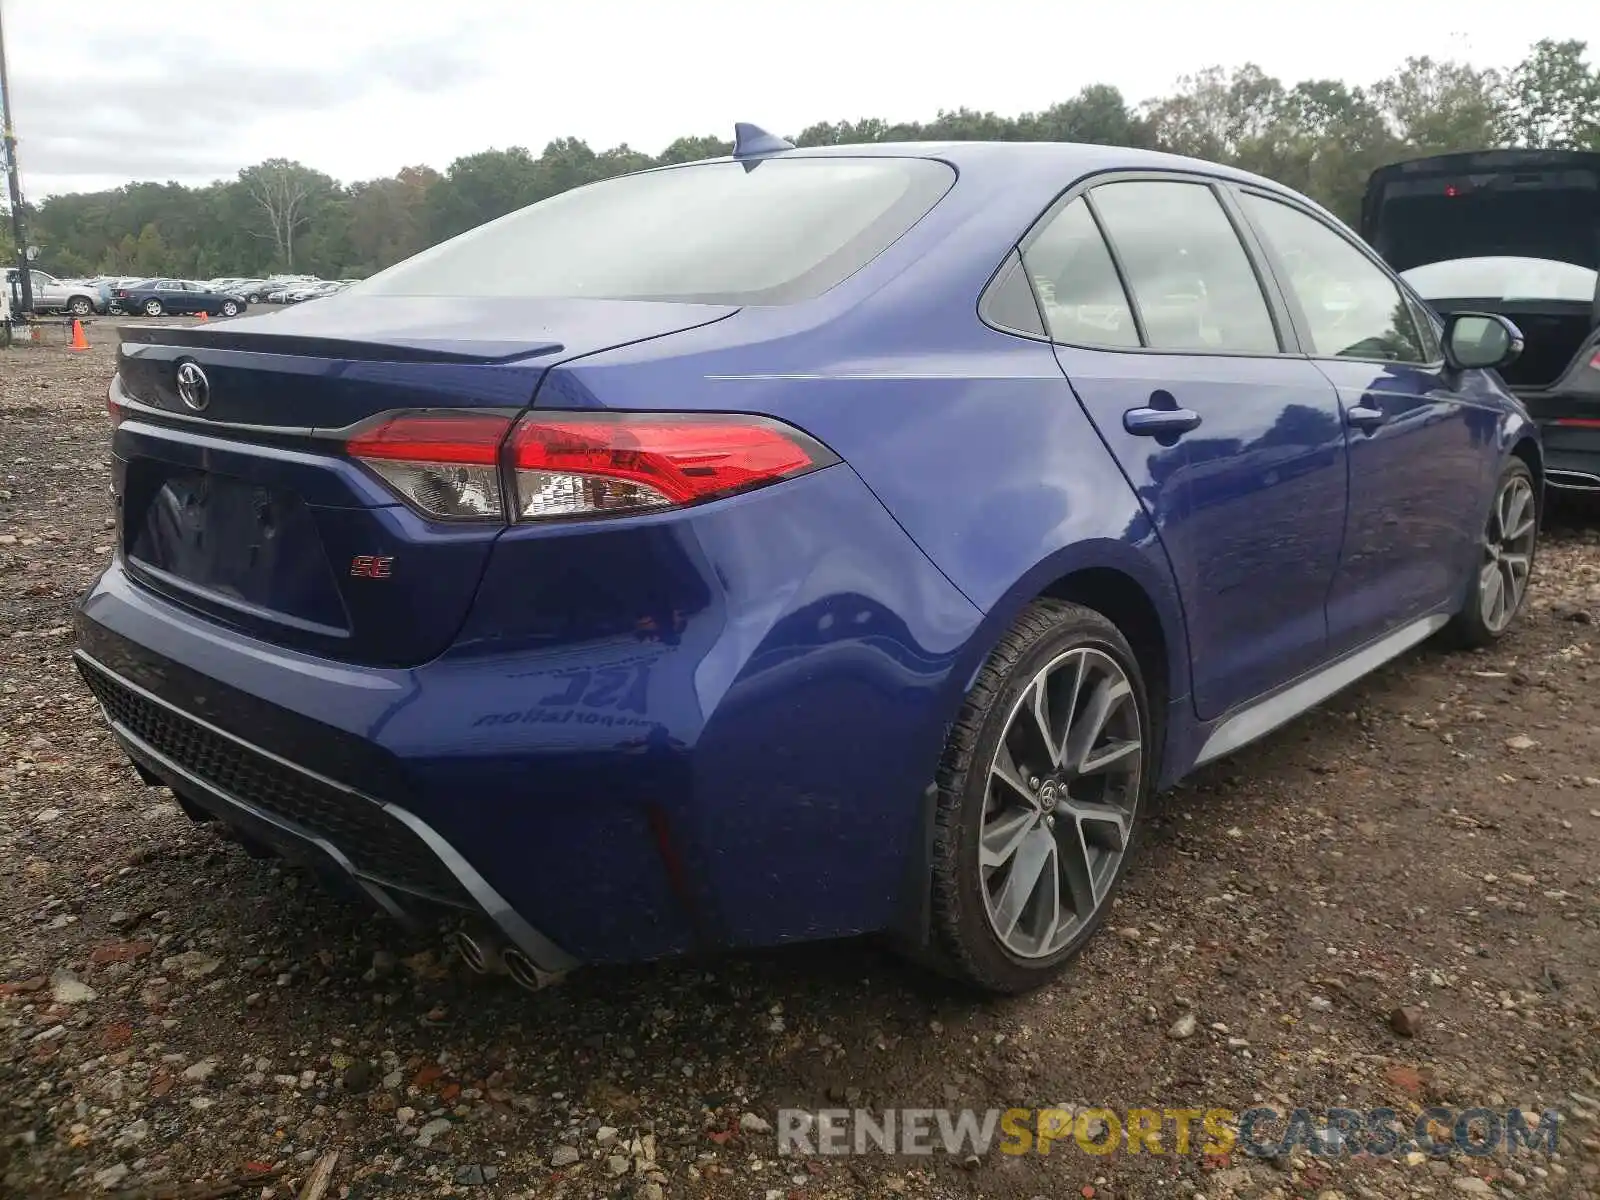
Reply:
x=194, y=389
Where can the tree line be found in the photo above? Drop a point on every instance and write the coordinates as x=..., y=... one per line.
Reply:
x=1320, y=136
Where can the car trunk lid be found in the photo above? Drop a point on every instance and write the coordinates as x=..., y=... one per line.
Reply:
x=1524, y=203
x=235, y=497
x=1491, y=231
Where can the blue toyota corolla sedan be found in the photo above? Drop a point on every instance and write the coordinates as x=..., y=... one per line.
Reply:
x=794, y=545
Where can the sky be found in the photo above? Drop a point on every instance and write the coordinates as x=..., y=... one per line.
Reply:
x=107, y=92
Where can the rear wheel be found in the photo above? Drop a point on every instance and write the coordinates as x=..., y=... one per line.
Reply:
x=1505, y=560
x=152, y=307
x=1039, y=791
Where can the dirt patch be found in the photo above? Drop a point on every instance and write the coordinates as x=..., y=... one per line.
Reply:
x=173, y=1012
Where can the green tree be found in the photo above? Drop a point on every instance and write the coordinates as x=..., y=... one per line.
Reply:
x=479, y=188
x=691, y=149
x=288, y=198
x=1436, y=107
x=149, y=252
x=388, y=218
x=1555, y=98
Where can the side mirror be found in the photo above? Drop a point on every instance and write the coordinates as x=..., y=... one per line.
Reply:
x=1480, y=341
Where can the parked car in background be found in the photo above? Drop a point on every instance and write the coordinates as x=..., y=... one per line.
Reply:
x=176, y=297
x=757, y=550
x=1515, y=232
x=307, y=291
x=250, y=289
x=50, y=294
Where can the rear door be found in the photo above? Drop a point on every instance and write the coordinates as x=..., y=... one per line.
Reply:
x=170, y=293
x=1231, y=439
x=1421, y=439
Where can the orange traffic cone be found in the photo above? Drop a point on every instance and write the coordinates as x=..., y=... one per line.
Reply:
x=203, y=316
x=79, y=342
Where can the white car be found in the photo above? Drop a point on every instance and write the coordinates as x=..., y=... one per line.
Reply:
x=51, y=294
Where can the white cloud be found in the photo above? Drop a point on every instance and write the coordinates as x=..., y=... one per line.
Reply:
x=108, y=92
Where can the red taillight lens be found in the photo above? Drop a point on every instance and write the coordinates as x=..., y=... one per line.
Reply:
x=444, y=464
x=115, y=410
x=448, y=464
x=598, y=464
x=1594, y=363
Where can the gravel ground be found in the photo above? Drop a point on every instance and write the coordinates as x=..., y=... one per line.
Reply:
x=177, y=1017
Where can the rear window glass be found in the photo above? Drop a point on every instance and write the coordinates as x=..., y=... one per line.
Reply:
x=718, y=233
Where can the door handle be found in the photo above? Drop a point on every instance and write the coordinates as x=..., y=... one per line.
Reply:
x=1365, y=417
x=1160, y=422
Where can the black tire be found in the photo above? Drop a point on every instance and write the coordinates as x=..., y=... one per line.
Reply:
x=81, y=306
x=153, y=308
x=966, y=944
x=230, y=308
x=1472, y=627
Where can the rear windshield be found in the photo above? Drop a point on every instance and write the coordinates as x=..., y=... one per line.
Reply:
x=1503, y=278
x=774, y=232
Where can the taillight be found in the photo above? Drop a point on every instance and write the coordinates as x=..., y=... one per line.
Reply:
x=444, y=464
x=449, y=465
x=115, y=410
x=1594, y=363
x=603, y=464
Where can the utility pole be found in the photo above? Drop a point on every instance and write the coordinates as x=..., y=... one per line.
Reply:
x=8, y=142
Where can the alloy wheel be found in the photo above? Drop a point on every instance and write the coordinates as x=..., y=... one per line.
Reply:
x=1507, y=554
x=1060, y=802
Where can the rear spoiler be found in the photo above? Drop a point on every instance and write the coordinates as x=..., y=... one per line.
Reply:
x=231, y=336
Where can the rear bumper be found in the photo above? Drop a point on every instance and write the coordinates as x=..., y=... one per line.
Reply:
x=1571, y=456
x=401, y=864
x=718, y=732
x=1569, y=427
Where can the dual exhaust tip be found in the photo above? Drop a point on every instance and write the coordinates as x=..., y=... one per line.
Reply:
x=486, y=954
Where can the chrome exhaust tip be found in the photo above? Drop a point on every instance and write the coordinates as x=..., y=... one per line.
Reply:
x=482, y=953
x=526, y=973
x=1575, y=481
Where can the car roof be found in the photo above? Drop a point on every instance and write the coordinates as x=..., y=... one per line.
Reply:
x=1067, y=158
x=1040, y=169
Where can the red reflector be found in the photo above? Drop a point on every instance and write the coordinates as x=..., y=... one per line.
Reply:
x=1577, y=422
x=1452, y=190
x=572, y=464
x=433, y=437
